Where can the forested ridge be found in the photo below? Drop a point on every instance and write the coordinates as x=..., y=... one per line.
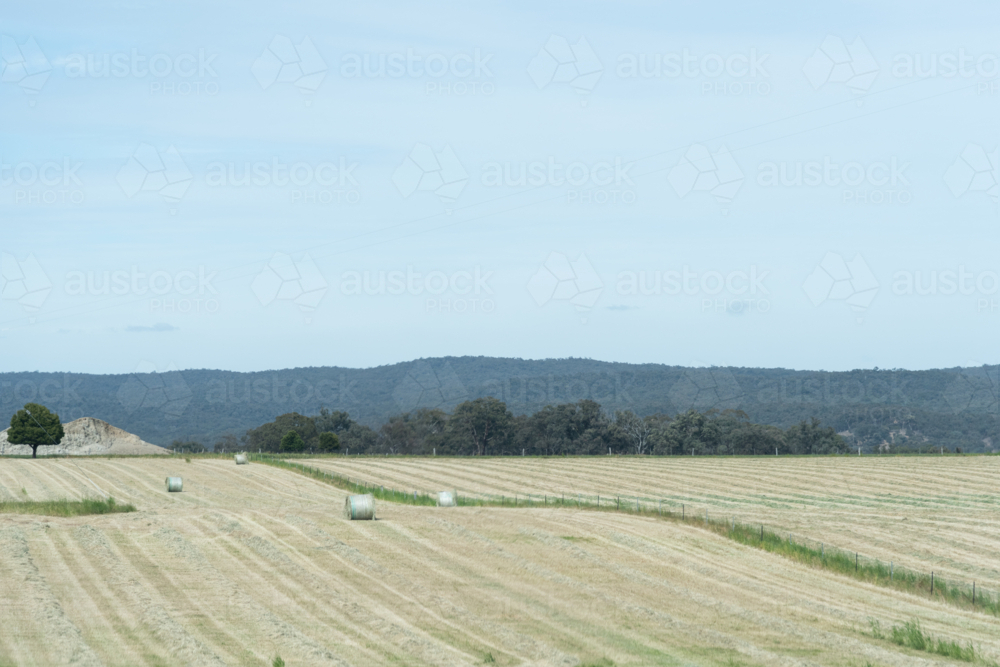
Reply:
x=872, y=408
x=485, y=427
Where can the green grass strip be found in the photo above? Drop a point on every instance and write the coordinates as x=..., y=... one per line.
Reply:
x=849, y=564
x=911, y=635
x=65, y=507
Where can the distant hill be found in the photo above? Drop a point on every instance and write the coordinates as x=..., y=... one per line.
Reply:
x=954, y=407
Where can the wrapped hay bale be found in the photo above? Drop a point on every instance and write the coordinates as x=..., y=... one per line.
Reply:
x=360, y=508
x=174, y=484
x=241, y=459
x=446, y=499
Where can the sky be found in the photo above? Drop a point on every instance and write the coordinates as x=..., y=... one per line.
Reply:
x=252, y=186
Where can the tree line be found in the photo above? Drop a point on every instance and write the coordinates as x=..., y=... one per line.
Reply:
x=872, y=408
x=486, y=427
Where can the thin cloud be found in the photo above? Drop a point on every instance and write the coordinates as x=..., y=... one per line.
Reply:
x=159, y=327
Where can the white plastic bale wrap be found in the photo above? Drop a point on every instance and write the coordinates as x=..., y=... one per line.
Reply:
x=175, y=484
x=446, y=499
x=360, y=508
x=241, y=459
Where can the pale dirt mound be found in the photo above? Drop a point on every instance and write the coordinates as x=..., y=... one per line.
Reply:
x=87, y=437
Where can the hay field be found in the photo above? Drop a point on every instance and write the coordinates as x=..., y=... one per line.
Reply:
x=250, y=562
x=926, y=513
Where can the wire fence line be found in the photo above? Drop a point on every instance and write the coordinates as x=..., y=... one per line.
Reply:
x=798, y=547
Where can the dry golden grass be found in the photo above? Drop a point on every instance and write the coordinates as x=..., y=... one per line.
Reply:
x=925, y=513
x=250, y=562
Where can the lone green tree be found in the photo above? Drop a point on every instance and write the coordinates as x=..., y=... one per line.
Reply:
x=35, y=425
x=292, y=442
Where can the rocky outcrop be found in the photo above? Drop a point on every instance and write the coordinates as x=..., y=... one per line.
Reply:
x=87, y=436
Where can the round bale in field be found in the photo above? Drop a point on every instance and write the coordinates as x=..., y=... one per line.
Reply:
x=360, y=508
x=446, y=499
x=241, y=459
x=174, y=484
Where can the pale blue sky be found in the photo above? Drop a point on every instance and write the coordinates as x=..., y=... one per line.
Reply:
x=656, y=197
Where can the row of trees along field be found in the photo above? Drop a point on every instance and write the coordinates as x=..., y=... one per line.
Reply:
x=485, y=426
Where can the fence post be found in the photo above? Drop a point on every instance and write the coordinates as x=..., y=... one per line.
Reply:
x=890, y=570
x=855, y=561
x=761, y=532
x=973, y=594
x=932, y=582
x=682, y=511
x=637, y=504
